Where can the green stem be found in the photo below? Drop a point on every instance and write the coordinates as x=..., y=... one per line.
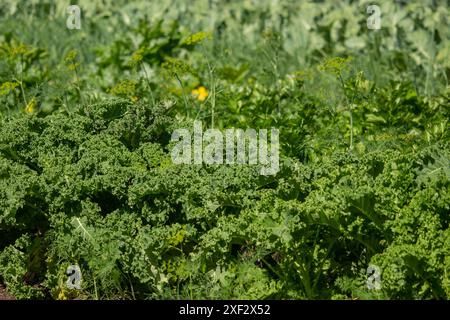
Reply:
x=186, y=105
x=213, y=86
x=213, y=101
x=95, y=286
x=148, y=82
x=21, y=81
x=23, y=93
x=271, y=268
x=349, y=110
x=78, y=84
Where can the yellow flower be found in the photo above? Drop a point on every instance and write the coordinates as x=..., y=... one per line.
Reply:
x=198, y=37
x=71, y=60
x=31, y=106
x=62, y=296
x=124, y=88
x=136, y=58
x=20, y=49
x=200, y=93
x=7, y=87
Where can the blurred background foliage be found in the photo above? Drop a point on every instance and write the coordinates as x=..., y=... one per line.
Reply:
x=268, y=38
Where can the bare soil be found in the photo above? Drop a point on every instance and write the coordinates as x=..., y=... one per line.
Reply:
x=4, y=295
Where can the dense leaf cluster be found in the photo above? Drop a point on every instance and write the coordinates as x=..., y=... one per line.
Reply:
x=97, y=188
